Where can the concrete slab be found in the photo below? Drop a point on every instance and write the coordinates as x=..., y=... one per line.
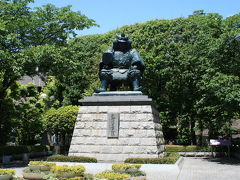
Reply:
x=193, y=168
x=153, y=171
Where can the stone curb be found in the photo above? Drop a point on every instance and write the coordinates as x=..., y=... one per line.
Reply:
x=149, y=169
x=179, y=162
x=195, y=154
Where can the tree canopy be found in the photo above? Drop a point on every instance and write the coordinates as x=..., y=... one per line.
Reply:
x=192, y=68
x=27, y=32
x=192, y=65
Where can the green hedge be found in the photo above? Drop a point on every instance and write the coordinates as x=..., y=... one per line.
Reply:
x=179, y=148
x=170, y=158
x=62, y=158
x=10, y=150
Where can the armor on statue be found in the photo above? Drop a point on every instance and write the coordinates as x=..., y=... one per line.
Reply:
x=119, y=65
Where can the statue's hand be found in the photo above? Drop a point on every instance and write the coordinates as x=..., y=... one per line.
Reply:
x=105, y=67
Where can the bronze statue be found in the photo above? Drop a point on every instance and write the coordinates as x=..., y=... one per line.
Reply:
x=119, y=65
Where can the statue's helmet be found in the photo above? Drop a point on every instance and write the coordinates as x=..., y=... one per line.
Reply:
x=124, y=41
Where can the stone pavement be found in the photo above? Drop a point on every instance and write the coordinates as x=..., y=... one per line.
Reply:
x=209, y=169
x=195, y=168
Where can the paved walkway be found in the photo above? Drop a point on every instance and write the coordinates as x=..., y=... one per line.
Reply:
x=210, y=169
x=196, y=169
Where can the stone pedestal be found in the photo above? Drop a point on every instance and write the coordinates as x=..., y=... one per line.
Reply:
x=114, y=126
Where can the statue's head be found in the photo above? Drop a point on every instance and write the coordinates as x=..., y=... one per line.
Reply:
x=122, y=43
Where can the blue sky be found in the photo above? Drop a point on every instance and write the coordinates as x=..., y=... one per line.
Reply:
x=111, y=14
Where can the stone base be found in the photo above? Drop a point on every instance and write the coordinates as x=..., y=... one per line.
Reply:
x=140, y=133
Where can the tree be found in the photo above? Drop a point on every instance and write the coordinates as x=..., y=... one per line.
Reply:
x=28, y=110
x=186, y=59
x=23, y=29
x=61, y=121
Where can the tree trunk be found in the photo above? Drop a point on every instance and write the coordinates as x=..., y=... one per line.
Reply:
x=192, y=131
x=2, y=127
x=3, y=93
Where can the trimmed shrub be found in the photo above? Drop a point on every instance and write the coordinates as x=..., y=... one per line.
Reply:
x=179, y=148
x=171, y=158
x=62, y=158
x=60, y=121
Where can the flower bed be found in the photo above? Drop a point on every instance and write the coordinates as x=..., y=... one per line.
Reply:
x=36, y=174
x=6, y=174
x=112, y=175
x=122, y=171
x=41, y=165
x=68, y=171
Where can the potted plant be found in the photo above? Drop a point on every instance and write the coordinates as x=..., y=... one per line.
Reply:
x=123, y=171
x=68, y=171
x=40, y=165
x=125, y=168
x=132, y=169
x=33, y=174
x=112, y=175
x=6, y=174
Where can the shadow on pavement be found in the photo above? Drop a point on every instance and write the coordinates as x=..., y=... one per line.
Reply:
x=224, y=160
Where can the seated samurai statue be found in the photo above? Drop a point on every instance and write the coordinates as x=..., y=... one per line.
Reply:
x=119, y=65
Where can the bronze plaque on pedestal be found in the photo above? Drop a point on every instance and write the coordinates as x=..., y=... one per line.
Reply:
x=113, y=125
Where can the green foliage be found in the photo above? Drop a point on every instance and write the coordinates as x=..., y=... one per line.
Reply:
x=11, y=150
x=54, y=177
x=183, y=129
x=28, y=114
x=43, y=163
x=192, y=66
x=131, y=169
x=112, y=175
x=7, y=172
x=77, y=178
x=25, y=34
x=61, y=158
x=170, y=158
x=125, y=167
x=50, y=94
x=60, y=121
x=192, y=69
x=178, y=148
x=61, y=171
x=37, y=171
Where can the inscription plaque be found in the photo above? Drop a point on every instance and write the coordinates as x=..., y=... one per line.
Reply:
x=113, y=125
